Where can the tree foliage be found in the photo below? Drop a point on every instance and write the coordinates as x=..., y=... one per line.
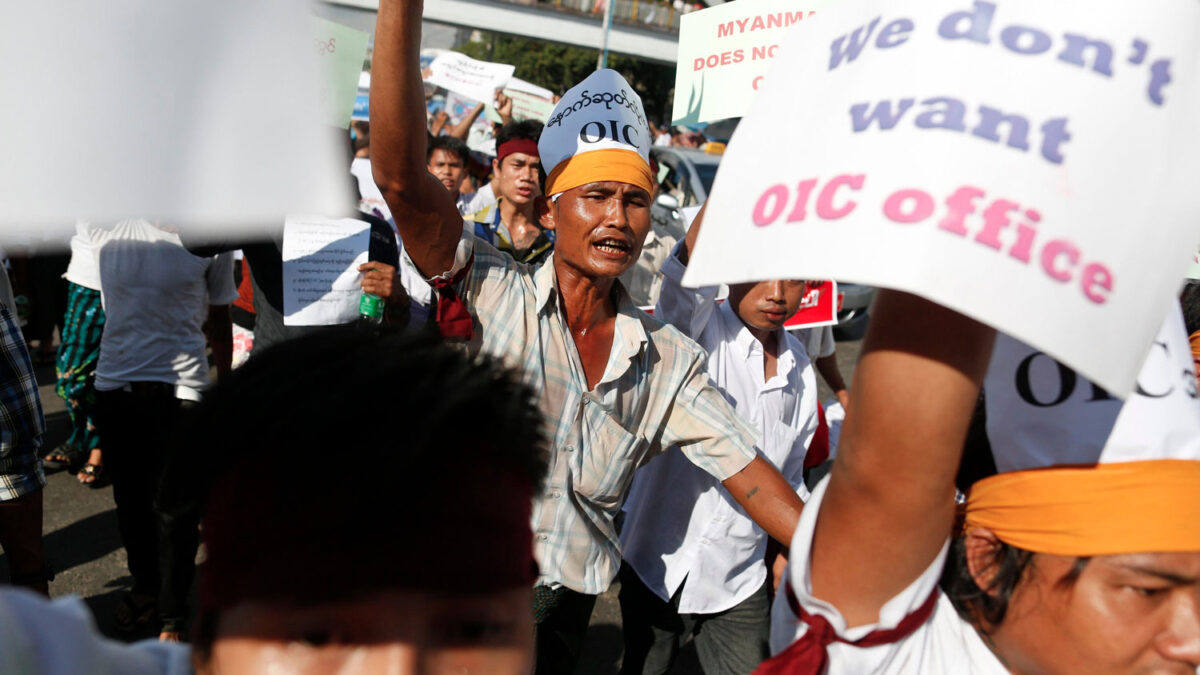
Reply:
x=560, y=67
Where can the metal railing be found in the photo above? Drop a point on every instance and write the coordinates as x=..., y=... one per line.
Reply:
x=652, y=14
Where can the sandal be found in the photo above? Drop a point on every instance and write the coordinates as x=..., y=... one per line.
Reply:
x=92, y=475
x=64, y=455
x=135, y=613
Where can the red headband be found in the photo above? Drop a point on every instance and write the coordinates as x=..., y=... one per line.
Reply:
x=522, y=145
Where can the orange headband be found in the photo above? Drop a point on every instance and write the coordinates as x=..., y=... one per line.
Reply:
x=623, y=166
x=1106, y=509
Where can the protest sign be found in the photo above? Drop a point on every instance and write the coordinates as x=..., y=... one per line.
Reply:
x=321, y=281
x=818, y=308
x=725, y=51
x=993, y=157
x=530, y=102
x=1066, y=419
x=473, y=79
x=362, y=107
x=341, y=52
x=146, y=108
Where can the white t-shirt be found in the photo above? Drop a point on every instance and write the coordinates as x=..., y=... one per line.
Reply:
x=701, y=538
x=484, y=197
x=818, y=341
x=42, y=636
x=82, y=269
x=156, y=297
x=943, y=645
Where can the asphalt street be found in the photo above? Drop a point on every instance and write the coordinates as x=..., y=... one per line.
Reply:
x=83, y=544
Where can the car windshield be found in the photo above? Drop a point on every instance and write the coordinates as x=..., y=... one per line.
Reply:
x=706, y=173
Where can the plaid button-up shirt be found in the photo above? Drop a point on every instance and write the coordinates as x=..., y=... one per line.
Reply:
x=654, y=395
x=21, y=421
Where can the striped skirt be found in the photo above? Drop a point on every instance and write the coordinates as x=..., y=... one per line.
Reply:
x=78, y=353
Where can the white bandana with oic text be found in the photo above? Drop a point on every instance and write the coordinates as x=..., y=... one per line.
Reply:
x=603, y=112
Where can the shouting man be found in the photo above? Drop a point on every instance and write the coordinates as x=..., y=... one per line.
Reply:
x=616, y=387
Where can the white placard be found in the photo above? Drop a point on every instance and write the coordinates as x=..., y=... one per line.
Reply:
x=724, y=54
x=1042, y=413
x=459, y=73
x=994, y=157
x=321, y=281
x=203, y=113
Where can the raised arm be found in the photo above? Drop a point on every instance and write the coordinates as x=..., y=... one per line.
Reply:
x=425, y=215
x=889, y=504
x=463, y=129
x=688, y=309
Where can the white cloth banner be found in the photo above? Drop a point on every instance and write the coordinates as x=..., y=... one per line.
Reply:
x=473, y=79
x=1029, y=164
x=202, y=113
x=321, y=281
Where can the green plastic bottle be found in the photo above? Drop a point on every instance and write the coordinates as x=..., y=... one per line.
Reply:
x=370, y=308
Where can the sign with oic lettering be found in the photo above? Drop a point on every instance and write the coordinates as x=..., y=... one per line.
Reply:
x=461, y=74
x=991, y=156
x=341, y=51
x=819, y=307
x=724, y=52
x=1066, y=419
x=601, y=113
x=142, y=109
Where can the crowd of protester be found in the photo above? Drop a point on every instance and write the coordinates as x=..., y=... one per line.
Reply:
x=533, y=436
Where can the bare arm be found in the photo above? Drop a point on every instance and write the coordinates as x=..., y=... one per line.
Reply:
x=828, y=367
x=889, y=504
x=768, y=499
x=220, y=338
x=463, y=128
x=425, y=215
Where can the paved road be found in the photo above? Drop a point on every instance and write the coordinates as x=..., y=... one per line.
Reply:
x=83, y=544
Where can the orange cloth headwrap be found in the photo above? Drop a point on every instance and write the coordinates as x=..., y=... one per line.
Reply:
x=615, y=164
x=1106, y=509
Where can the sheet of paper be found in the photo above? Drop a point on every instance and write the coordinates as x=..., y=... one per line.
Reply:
x=818, y=308
x=341, y=52
x=725, y=51
x=526, y=106
x=992, y=156
x=473, y=79
x=202, y=114
x=321, y=281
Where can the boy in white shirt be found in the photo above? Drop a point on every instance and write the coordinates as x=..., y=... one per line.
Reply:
x=694, y=562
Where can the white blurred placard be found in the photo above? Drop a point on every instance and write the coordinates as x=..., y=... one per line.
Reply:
x=1030, y=164
x=201, y=113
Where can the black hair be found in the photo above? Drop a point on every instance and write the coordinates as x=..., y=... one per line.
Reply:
x=1009, y=566
x=525, y=129
x=1189, y=299
x=355, y=412
x=450, y=144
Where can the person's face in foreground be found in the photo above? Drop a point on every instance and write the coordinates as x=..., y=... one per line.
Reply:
x=600, y=227
x=517, y=178
x=394, y=631
x=1128, y=614
x=448, y=168
x=766, y=305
